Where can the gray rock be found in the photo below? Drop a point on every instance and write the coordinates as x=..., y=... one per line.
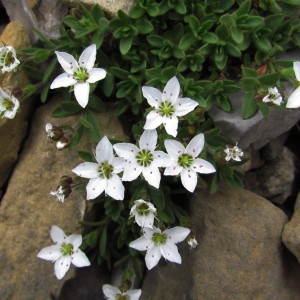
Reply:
x=291, y=231
x=239, y=256
x=28, y=210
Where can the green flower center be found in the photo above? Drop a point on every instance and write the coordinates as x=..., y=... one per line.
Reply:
x=122, y=297
x=185, y=160
x=166, y=108
x=105, y=170
x=144, y=158
x=8, y=104
x=143, y=209
x=7, y=59
x=159, y=238
x=81, y=74
x=66, y=249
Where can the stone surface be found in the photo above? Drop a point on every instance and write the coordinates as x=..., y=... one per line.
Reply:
x=274, y=180
x=111, y=6
x=239, y=256
x=257, y=131
x=28, y=210
x=12, y=132
x=291, y=231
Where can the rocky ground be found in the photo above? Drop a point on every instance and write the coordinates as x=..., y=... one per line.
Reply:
x=249, y=239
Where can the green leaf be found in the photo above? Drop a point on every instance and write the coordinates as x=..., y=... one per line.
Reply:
x=96, y=104
x=263, y=44
x=269, y=79
x=86, y=156
x=237, y=35
x=155, y=40
x=210, y=38
x=249, y=83
x=136, y=12
x=49, y=70
x=108, y=84
x=232, y=50
x=186, y=41
x=76, y=137
x=249, y=105
x=94, y=129
x=143, y=26
x=103, y=241
x=71, y=107
x=125, y=44
x=264, y=108
x=44, y=92
x=249, y=72
x=42, y=55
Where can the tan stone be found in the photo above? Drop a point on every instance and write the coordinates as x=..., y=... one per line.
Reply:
x=28, y=210
x=111, y=6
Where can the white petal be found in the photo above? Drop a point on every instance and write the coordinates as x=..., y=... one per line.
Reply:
x=118, y=164
x=141, y=244
x=145, y=220
x=79, y=259
x=296, y=66
x=170, y=252
x=189, y=179
x=87, y=170
x=51, y=253
x=294, y=99
x=173, y=170
x=196, y=145
x=115, y=188
x=110, y=291
x=95, y=187
x=203, y=166
x=152, y=95
x=132, y=171
x=81, y=91
x=171, y=125
x=177, y=234
x=184, y=105
x=67, y=61
x=174, y=148
x=152, y=175
x=133, y=294
x=126, y=150
x=162, y=159
x=171, y=90
x=57, y=235
x=153, y=120
x=63, y=80
x=96, y=74
x=75, y=240
x=61, y=266
x=148, y=140
x=88, y=57
x=104, y=151
x=152, y=257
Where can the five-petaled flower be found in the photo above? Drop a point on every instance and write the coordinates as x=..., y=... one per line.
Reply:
x=80, y=74
x=234, y=153
x=158, y=244
x=294, y=99
x=9, y=105
x=64, y=252
x=184, y=161
x=143, y=212
x=144, y=159
x=103, y=175
x=112, y=292
x=273, y=96
x=167, y=106
x=8, y=59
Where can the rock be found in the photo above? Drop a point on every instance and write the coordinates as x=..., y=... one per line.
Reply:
x=257, y=131
x=13, y=132
x=239, y=256
x=291, y=231
x=28, y=210
x=274, y=180
x=110, y=6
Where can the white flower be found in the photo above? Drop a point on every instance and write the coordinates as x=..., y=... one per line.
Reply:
x=167, y=106
x=192, y=243
x=273, y=96
x=144, y=159
x=64, y=252
x=113, y=293
x=103, y=174
x=294, y=99
x=234, y=153
x=144, y=213
x=158, y=244
x=49, y=130
x=8, y=59
x=184, y=161
x=9, y=105
x=79, y=74
x=59, y=194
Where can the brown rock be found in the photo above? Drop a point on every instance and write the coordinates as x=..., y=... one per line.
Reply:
x=239, y=256
x=28, y=210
